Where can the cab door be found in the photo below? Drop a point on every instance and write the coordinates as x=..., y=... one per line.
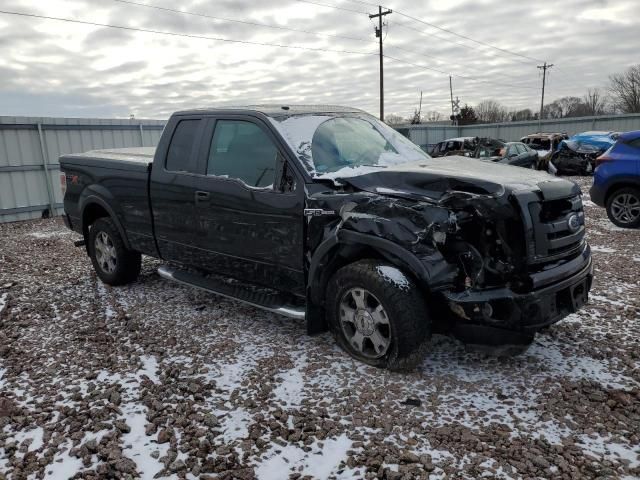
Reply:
x=249, y=227
x=172, y=190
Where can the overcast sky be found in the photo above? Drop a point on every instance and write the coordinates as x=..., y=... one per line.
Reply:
x=52, y=68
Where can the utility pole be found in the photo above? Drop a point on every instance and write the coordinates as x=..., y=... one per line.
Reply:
x=420, y=107
x=544, y=69
x=379, y=16
x=453, y=118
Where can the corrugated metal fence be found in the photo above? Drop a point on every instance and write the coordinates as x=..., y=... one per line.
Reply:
x=29, y=151
x=426, y=135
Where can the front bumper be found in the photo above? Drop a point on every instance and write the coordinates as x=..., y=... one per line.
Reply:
x=502, y=308
x=597, y=195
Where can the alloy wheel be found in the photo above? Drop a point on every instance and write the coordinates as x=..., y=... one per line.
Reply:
x=105, y=252
x=365, y=323
x=625, y=208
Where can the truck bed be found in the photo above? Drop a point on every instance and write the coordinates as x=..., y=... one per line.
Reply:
x=118, y=180
x=138, y=158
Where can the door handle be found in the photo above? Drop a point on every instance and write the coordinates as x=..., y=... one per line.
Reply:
x=202, y=196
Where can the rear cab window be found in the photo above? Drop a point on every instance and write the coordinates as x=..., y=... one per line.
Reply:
x=180, y=156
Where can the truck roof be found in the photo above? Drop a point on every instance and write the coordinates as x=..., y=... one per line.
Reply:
x=275, y=110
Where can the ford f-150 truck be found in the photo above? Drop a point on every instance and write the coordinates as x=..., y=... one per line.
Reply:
x=327, y=214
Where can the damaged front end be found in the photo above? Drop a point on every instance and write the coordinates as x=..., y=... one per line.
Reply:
x=490, y=257
x=576, y=158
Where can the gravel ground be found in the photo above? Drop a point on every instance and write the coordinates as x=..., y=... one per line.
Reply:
x=157, y=380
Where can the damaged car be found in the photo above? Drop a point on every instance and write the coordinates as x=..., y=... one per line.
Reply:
x=455, y=146
x=507, y=153
x=545, y=144
x=329, y=216
x=577, y=155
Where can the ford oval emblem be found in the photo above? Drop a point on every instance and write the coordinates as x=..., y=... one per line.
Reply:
x=573, y=223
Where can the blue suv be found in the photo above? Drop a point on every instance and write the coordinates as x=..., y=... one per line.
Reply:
x=616, y=181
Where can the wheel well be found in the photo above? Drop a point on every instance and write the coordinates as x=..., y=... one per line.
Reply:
x=617, y=186
x=90, y=214
x=345, y=254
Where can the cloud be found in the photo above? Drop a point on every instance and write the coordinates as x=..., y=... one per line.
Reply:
x=57, y=68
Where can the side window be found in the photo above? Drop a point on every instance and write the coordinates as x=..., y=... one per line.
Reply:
x=181, y=146
x=521, y=148
x=242, y=150
x=634, y=143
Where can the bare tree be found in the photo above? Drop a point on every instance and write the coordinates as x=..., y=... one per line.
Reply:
x=565, y=107
x=519, y=115
x=625, y=90
x=393, y=119
x=432, y=116
x=595, y=102
x=491, y=111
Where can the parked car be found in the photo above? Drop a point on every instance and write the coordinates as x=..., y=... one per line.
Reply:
x=455, y=146
x=545, y=144
x=577, y=155
x=616, y=181
x=327, y=214
x=508, y=153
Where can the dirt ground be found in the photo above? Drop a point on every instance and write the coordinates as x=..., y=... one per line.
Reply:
x=158, y=380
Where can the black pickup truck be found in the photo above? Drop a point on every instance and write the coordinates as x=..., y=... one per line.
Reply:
x=328, y=215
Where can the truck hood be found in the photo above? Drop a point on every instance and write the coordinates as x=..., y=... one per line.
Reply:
x=434, y=179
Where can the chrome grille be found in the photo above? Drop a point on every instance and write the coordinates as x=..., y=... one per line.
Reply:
x=558, y=228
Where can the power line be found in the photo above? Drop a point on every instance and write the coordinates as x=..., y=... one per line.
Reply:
x=451, y=32
x=470, y=47
x=187, y=35
x=426, y=55
x=464, y=77
x=336, y=7
x=479, y=42
x=245, y=22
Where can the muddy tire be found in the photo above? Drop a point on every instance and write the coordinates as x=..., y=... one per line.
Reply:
x=113, y=262
x=623, y=207
x=378, y=315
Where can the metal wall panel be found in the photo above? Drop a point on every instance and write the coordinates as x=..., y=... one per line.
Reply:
x=28, y=143
x=426, y=134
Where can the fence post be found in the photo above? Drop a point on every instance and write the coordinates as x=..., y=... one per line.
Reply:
x=141, y=136
x=47, y=173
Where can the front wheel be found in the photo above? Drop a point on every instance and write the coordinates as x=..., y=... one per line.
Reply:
x=112, y=261
x=623, y=207
x=378, y=315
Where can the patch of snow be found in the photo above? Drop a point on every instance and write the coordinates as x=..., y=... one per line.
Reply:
x=50, y=234
x=3, y=301
x=290, y=391
x=607, y=449
x=319, y=463
x=588, y=203
x=576, y=367
x=36, y=436
x=235, y=425
x=388, y=191
x=149, y=368
x=63, y=466
x=597, y=248
x=138, y=445
x=346, y=172
x=393, y=275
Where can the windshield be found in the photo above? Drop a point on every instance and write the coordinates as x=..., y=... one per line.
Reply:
x=540, y=144
x=341, y=146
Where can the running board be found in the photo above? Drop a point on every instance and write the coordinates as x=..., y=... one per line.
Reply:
x=265, y=301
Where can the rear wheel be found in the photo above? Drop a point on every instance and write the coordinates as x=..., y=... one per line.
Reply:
x=112, y=261
x=623, y=207
x=378, y=315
